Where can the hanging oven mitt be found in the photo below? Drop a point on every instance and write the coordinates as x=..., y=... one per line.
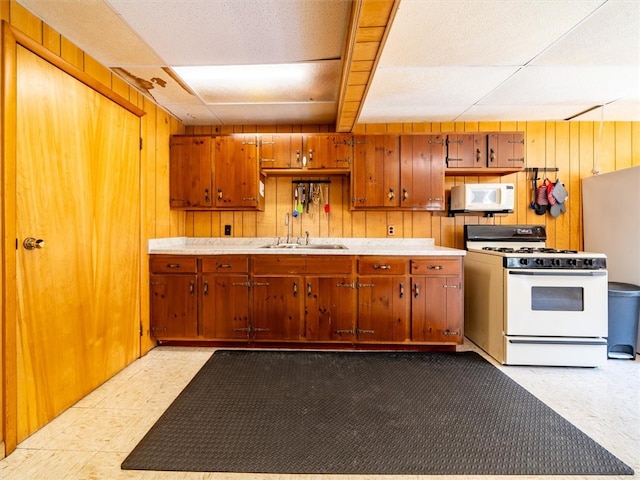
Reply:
x=559, y=192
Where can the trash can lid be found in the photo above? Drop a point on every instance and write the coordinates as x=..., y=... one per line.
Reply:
x=624, y=289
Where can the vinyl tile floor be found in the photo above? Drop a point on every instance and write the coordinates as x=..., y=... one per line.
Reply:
x=91, y=439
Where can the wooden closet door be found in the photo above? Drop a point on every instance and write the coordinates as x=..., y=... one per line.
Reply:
x=77, y=189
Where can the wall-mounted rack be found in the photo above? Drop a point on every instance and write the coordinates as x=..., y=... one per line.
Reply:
x=308, y=180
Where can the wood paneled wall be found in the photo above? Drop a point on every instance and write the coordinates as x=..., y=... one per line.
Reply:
x=575, y=148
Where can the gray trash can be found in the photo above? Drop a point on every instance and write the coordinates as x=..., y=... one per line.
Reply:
x=624, y=311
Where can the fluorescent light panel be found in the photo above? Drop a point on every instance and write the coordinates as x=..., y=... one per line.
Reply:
x=273, y=83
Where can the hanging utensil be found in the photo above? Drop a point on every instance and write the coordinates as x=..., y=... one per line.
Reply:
x=295, y=202
x=326, y=205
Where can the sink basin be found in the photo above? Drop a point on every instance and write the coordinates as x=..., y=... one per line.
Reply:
x=313, y=246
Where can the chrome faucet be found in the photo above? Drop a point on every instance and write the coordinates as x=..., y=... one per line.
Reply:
x=306, y=234
x=286, y=222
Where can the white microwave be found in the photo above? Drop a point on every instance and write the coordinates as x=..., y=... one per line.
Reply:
x=482, y=197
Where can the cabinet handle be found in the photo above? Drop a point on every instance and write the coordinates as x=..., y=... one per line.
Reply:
x=478, y=155
x=449, y=159
x=206, y=288
x=340, y=332
x=381, y=267
x=361, y=285
x=174, y=265
x=295, y=289
x=402, y=290
x=451, y=286
x=391, y=194
x=220, y=194
x=241, y=284
x=416, y=290
x=265, y=160
x=346, y=285
x=516, y=141
x=223, y=265
x=492, y=155
x=192, y=288
x=297, y=156
x=515, y=159
x=206, y=195
x=360, y=330
x=405, y=195
x=258, y=284
x=309, y=289
x=310, y=156
x=249, y=199
x=359, y=199
x=435, y=267
x=344, y=160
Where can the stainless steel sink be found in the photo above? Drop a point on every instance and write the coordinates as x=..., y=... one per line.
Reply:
x=313, y=246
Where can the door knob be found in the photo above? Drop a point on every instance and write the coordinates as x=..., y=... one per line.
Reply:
x=30, y=243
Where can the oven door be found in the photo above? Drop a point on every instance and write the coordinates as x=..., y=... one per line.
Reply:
x=556, y=303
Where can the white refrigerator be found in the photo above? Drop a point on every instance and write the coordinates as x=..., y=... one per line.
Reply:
x=611, y=222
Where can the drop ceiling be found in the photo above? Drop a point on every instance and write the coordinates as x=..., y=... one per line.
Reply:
x=371, y=61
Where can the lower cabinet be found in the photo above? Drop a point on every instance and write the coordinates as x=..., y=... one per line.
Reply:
x=307, y=298
x=436, y=300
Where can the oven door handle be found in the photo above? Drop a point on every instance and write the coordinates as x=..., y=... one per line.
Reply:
x=556, y=273
x=560, y=342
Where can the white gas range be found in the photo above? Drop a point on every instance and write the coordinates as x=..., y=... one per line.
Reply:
x=526, y=304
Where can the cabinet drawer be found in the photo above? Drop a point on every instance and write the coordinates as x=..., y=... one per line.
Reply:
x=436, y=266
x=329, y=264
x=278, y=264
x=226, y=264
x=382, y=266
x=172, y=264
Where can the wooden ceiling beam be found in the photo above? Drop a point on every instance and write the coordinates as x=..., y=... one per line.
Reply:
x=370, y=24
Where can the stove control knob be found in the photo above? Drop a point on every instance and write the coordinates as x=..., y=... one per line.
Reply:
x=539, y=261
x=524, y=261
x=572, y=261
x=588, y=262
x=555, y=262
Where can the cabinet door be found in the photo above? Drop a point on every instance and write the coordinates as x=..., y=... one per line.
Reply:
x=328, y=151
x=383, y=313
x=466, y=150
x=277, y=308
x=225, y=306
x=376, y=171
x=190, y=171
x=174, y=306
x=436, y=309
x=422, y=160
x=236, y=172
x=506, y=150
x=281, y=151
x=330, y=308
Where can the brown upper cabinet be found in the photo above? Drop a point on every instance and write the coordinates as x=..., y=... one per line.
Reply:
x=328, y=151
x=209, y=172
x=280, y=151
x=485, y=153
x=191, y=175
x=422, y=159
x=375, y=179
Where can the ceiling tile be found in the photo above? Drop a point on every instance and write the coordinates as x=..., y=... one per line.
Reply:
x=563, y=85
x=77, y=20
x=611, y=36
x=464, y=33
x=497, y=113
x=237, y=32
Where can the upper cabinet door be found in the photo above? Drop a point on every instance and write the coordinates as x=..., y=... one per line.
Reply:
x=466, y=150
x=190, y=171
x=506, y=150
x=376, y=171
x=281, y=151
x=237, y=172
x=422, y=159
x=328, y=151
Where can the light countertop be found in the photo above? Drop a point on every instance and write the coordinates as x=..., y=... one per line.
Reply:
x=245, y=245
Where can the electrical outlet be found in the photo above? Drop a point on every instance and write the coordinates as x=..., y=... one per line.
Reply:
x=227, y=230
x=390, y=230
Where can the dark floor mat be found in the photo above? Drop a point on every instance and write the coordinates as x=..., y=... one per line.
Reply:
x=364, y=413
